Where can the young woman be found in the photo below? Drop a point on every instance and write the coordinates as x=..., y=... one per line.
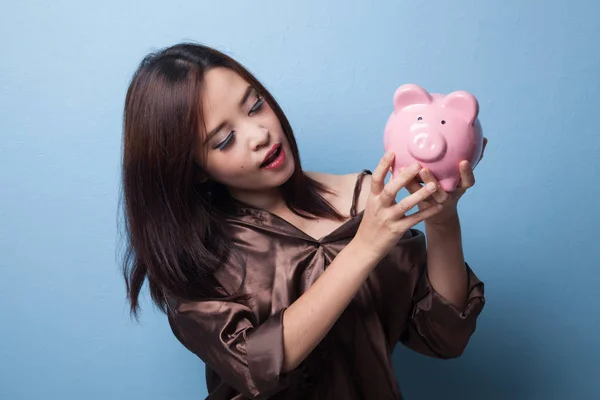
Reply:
x=287, y=284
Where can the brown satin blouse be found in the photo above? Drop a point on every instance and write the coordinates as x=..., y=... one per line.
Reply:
x=241, y=342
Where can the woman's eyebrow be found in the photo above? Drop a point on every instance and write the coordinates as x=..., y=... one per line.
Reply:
x=247, y=93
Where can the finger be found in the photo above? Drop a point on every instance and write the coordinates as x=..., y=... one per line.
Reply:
x=378, y=176
x=413, y=219
x=414, y=186
x=467, y=177
x=440, y=195
x=390, y=191
x=410, y=201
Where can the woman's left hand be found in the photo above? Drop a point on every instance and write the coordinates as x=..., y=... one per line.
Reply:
x=448, y=199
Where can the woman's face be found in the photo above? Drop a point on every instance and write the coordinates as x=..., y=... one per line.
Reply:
x=245, y=146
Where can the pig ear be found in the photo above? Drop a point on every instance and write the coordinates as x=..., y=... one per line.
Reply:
x=464, y=103
x=409, y=94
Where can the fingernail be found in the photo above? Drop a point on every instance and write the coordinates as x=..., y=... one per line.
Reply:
x=415, y=167
x=389, y=154
x=431, y=186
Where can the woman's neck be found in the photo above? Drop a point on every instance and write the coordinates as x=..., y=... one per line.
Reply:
x=270, y=200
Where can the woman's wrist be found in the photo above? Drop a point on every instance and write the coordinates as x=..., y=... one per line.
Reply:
x=364, y=252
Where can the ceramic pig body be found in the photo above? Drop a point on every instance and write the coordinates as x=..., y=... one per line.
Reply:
x=435, y=130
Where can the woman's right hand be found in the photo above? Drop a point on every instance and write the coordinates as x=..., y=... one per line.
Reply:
x=308, y=319
x=385, y=221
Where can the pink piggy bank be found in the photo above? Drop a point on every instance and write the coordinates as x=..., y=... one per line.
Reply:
x=435, y=130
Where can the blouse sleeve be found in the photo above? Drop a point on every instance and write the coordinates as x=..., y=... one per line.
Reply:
x=435, y=326
x=225, y=335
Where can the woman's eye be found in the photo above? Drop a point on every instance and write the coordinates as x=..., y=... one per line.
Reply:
x=225, y=142
x=257, y=106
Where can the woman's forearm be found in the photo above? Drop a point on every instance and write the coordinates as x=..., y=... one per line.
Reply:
x=311, y=316
x=445, y=260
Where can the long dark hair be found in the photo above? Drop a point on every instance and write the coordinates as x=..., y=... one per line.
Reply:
x=174, y=223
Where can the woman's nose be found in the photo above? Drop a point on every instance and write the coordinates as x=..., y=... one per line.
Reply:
x=259, y=137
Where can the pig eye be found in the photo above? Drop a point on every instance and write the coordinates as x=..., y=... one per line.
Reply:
x=443, y=122
x=420, y=118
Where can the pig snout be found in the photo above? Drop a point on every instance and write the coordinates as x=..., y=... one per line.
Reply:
x=427, y=145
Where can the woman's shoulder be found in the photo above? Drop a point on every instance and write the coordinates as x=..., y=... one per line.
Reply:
x=344, y=188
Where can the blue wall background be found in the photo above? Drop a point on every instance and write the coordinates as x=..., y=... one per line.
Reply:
x=530, y=225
